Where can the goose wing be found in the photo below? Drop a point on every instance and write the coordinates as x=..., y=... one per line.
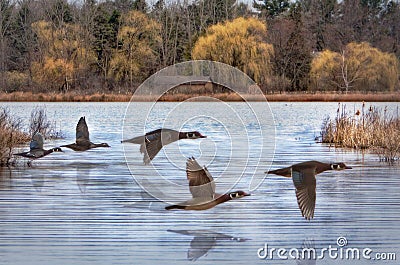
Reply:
x=154, y=142
x=305, y=184
x=199, y=246
x=36, y=142
x=82, y=132
x=201, y=243
x=201, y=183
x=150, y=150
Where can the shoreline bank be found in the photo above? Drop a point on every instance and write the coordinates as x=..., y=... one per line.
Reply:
x=276, y=97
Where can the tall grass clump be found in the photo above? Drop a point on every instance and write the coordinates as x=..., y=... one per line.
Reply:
x=368, y=128
x=11, y=135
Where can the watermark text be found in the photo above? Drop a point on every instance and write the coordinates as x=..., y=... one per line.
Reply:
x=338, y=251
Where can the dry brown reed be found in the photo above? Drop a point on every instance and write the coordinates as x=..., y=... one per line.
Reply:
x=11, y=135
x=368, y=128
x=39, y=123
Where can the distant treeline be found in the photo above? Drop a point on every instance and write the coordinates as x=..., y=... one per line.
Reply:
x=113, y=46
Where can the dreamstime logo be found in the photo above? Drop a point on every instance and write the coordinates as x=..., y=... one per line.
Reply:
x=341, y=241
x=341, y=252
x=240, y=141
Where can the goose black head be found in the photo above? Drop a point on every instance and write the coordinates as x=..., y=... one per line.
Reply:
x=238, y=194
x=104, y=145
x=194, y=135
x=339, y=166
x=57, y=149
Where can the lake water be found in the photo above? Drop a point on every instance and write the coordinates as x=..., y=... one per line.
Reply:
x=88, y=207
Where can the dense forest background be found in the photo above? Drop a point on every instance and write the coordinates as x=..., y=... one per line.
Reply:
x=112, y=46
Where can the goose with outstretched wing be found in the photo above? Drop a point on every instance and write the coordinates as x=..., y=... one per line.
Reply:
x=152, y=142
x=82, y=141
x=303, y=176
x=202, y=188
x=36, y=149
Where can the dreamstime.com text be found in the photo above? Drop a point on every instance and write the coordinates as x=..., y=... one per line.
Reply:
x=339, y=252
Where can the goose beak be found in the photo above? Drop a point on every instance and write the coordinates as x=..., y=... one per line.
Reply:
x=246, y=194
x=347, y=167
x=203, y=136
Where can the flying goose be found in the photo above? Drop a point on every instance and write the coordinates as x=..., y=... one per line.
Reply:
x=303, y=176
x=36, y=149
x=202, y=187
x=152, y=142
x=82, y=142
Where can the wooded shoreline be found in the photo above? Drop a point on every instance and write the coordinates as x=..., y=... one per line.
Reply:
x=230, y=97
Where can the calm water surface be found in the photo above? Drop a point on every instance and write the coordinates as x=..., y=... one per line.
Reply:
x=86, y=208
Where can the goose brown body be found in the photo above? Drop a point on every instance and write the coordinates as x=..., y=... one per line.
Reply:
x=303, y=176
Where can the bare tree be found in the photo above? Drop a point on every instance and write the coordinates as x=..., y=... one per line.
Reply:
x=6, y=13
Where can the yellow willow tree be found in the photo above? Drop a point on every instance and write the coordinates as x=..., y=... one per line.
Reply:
x=240, y=43
x=374, y=69
x=358, y=67
x=61, y=56
x=140, y=38
x=324, y=71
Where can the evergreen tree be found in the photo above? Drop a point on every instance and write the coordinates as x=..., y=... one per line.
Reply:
x=272, y=8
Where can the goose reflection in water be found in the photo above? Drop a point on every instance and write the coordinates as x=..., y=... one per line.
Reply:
x=147, y=202
x=83, y=176
x=204, y=240
x=307, y=260
x=37, y=182
x=5, y=178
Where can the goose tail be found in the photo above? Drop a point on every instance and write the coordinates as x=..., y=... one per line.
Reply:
x=175, y=207
x=135, y=140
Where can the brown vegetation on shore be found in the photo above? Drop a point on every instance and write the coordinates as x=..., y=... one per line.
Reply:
x=278, y=97
x=63, y=97
x=11, y=134
x=368, y=128
x=335, y=97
